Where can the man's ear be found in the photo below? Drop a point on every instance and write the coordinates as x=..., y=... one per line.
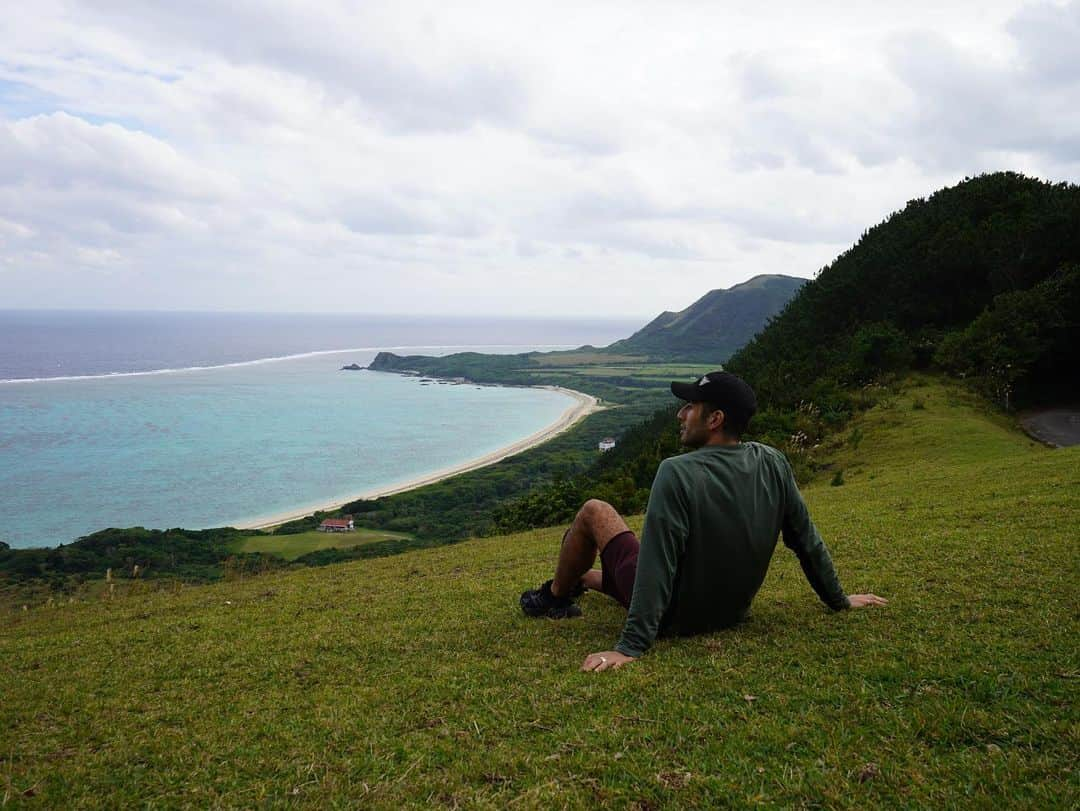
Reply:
x=716, y=420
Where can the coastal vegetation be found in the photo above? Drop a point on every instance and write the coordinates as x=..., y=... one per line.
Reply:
x=611, y=377
x=182, y=553
x=415, y=680
x=159, y=559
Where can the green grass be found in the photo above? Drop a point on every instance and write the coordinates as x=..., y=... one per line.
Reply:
x=574, y=358
x=291, y=547
x=644, y=371
x=415, y=681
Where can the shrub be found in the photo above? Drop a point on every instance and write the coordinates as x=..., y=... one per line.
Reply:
x=1024, y=339
x=855, y=438
x=876, y=349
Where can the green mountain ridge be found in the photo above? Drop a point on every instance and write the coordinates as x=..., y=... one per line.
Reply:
x=716, y=325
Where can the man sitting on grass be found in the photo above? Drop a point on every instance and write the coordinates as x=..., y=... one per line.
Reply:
x=710, y=529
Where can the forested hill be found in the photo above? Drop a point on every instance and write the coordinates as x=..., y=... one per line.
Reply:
x=981, y=280
x=716, y=325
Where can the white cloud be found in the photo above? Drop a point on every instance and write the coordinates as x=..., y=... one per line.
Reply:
x=505, y=157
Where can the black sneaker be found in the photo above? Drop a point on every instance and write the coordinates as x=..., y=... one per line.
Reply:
x=542, y=603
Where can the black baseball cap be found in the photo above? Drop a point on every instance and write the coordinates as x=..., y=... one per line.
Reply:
x=728, y=392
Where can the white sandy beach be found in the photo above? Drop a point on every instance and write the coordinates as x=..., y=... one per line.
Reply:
x=584, y=404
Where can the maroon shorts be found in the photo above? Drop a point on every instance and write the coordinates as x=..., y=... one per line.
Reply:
x=618, y=562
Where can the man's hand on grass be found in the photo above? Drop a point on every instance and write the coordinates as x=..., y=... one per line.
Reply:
x=596, y=662
x=863, y=600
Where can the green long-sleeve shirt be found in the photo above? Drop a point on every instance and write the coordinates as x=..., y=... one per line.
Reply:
x=711, y=526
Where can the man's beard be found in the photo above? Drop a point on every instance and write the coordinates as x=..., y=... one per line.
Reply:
x=694, y=437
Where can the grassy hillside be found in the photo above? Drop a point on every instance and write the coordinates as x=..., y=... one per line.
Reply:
x=414, y=680
x=293, y=546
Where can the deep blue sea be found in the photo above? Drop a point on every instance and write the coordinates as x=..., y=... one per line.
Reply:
x=205, y=419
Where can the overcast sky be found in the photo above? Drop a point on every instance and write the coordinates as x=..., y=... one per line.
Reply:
x=576, y=159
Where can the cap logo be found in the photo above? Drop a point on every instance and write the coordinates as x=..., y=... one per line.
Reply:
x=704, y=380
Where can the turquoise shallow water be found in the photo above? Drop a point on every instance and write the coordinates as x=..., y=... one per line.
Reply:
x=209, y=447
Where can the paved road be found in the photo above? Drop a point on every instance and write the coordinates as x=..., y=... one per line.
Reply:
x=1054, y=426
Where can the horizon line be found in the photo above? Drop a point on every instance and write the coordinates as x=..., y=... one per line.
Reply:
x=397, y=315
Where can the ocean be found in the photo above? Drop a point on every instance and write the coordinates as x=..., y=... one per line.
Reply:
x=207, y=419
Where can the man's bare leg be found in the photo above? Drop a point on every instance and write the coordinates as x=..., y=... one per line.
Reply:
x=596, y=523
x=593, y=579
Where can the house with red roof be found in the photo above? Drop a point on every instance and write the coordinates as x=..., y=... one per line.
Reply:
x=344, y=524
